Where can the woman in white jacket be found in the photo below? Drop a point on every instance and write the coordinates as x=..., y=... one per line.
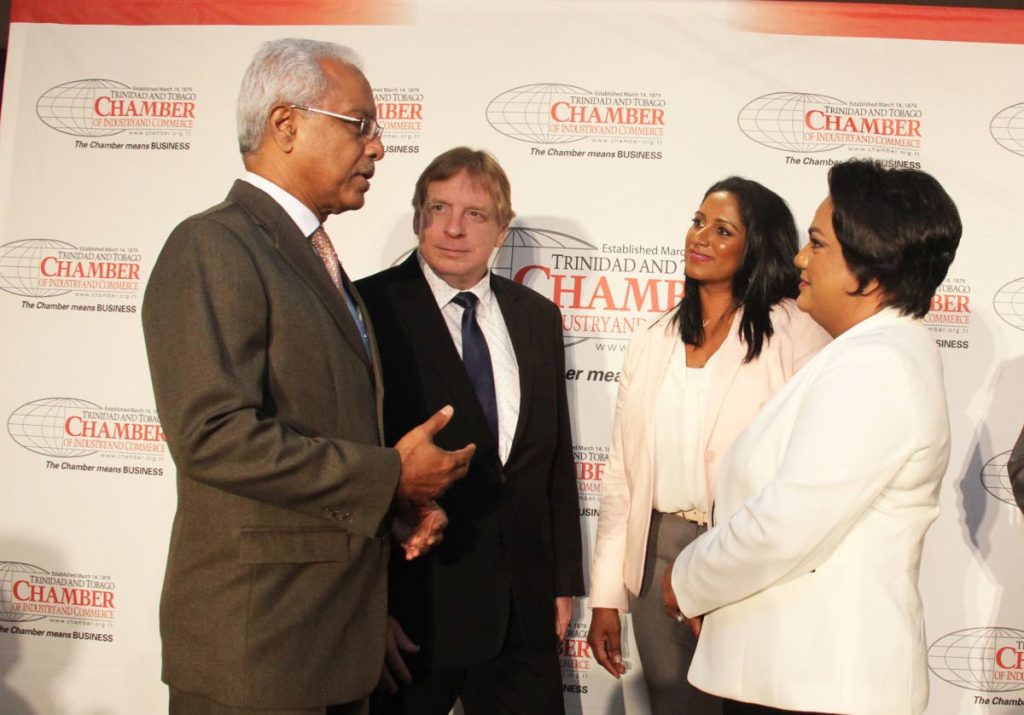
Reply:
x=690, y=383
x=807, y=580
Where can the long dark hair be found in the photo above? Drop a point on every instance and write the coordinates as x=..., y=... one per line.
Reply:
x=766, y=274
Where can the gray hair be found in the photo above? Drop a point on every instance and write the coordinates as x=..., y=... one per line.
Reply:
x=284, y=71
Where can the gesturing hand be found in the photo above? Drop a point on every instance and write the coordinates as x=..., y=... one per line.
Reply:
x=427, y=470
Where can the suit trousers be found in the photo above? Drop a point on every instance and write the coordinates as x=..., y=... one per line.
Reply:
x=182, y=703
x=518, y=681
x=664, y=645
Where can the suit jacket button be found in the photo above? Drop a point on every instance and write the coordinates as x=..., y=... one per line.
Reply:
x=502, y=477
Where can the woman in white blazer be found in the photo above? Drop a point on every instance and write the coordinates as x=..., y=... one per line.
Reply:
x=807, y=580
x=690, y=383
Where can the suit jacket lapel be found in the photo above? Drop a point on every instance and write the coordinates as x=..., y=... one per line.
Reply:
x=661, y=352
x=517, y=321
x=295, y=249
x=423, y=322
x=378, y=381
x=729, y=358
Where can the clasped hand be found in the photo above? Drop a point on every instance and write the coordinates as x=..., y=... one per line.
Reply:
x=668, y=597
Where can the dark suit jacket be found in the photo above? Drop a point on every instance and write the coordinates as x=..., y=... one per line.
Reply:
x=275, y=586
x=513, y=530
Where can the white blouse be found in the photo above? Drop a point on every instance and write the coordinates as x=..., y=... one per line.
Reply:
x=678, y=446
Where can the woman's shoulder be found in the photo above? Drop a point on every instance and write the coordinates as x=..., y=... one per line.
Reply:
x=891, y=337
x=786, y=317
x=651, y=334
x=655, y=327
x=786, y=313
x=795, y=333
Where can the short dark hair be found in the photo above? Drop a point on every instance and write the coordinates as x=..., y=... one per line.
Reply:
x=896, y=226
x=481, y=166
x=766, y=274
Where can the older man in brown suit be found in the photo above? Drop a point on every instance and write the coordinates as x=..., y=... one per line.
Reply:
x=268, y=386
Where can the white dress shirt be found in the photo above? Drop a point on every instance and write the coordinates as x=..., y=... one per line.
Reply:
x=305, y=219
x=499, y=345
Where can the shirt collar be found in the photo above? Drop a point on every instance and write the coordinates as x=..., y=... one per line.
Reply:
x=305, y=219
x=443, y=293
x=883, y=317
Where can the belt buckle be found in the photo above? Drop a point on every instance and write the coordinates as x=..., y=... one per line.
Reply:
x=700, y=518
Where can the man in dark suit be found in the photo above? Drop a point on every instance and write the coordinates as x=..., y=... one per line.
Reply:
x=268, y=387
x=488, y=605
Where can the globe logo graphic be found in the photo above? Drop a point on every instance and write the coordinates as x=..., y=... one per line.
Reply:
x=967, y=658
x=10, y=573
x=777, y=120
x=19, y=266
x=38, y=426
x=69, y=107
x=1009, y=303
x=1007, y=128
x=524, y=113
x=523, y=246
x=996, y=479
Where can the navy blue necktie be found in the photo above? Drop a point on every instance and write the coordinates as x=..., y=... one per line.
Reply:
x=477, y=360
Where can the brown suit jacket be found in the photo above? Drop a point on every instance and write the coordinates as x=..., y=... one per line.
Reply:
x=274, y=594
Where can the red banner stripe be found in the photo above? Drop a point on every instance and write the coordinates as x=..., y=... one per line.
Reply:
x=909, y=22
x=212, y=12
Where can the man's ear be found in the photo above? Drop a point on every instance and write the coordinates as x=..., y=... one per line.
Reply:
x=282, y=127
x=501, y=237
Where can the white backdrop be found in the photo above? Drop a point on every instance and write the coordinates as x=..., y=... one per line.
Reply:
x=611, y=118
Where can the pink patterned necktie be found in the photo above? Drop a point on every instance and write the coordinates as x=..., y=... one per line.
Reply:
x=322, y=245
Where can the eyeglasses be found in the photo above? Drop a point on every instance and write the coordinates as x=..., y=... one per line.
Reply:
x=368, y=128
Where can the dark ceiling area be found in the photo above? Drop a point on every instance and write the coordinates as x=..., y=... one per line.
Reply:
x=5, y=22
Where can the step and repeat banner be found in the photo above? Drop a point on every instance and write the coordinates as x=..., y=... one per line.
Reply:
x=611, y=119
